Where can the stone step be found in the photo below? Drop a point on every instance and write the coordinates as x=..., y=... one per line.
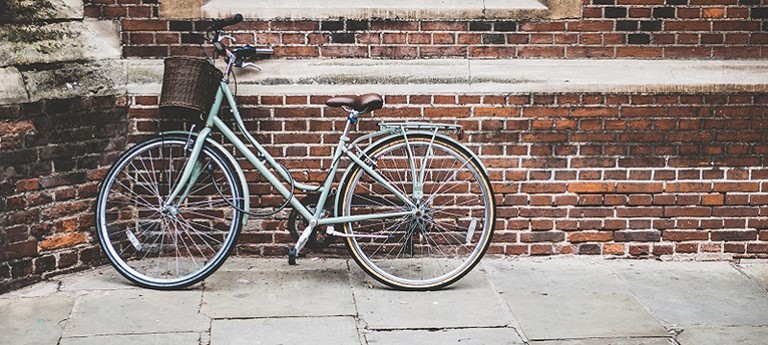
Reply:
x=365, y=9
x=440, y=76
x=337, y=76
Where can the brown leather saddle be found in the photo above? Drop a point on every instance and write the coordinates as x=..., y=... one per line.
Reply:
x=361, y=103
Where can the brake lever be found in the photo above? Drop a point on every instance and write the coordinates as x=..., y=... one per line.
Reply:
x=231, y=39
x=251, y=64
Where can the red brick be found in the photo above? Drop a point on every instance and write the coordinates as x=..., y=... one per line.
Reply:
x=541, y=52
x=599, y=236
x=144, y=25
x=542, y=249
x=614, y=249
x=591, y=187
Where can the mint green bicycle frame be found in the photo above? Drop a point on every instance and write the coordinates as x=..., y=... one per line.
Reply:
x=193, y=169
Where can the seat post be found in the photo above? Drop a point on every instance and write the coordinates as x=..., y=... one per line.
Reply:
x=351, y=120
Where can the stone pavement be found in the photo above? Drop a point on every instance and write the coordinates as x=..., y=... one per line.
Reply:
x=540, y=301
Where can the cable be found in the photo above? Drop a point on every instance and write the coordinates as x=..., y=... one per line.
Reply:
x=253, y=214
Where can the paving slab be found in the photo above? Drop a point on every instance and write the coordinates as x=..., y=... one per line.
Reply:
x=135, y=339
x=582, y=316
x=695, y=293
x=723, y=335
x=468, y=336
x=553, y=276
x=238, y=294
x=290, y=330
x=33, y=321
x=302, y=264
x=40, y=289
x=102, y=278
x=756, y=269
x=471, y=302
x=607, y=341
x=136, y=311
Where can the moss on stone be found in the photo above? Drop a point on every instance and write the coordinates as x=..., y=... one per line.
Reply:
x=25, y=11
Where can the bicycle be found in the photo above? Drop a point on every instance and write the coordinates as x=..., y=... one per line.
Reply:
x=415, y=207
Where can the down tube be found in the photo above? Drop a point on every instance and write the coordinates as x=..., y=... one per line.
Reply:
x=240, y=146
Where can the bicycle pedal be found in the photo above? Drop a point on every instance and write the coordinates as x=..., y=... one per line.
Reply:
x=292, y=256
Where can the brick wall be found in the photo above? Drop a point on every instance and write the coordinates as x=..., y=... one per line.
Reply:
x=633, y=175
x=645, y=29
x=52, y=156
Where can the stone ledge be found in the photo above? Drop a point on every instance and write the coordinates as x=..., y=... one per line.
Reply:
x=367, y=9
x=446, y=76
x=285, y=77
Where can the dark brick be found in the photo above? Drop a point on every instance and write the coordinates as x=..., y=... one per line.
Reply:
x=192, y=39
x=5, y=273
x=759, y=12
x=505, y=26
x=734, y=235
x=358, y=25
x=765, y=26
x=664, y=12
x=342, y=37
x=637, y=236
x=178, y=25
x=480, y=26
x=202, y=25
x=44, y=264
x=22, y=269
x=677, y=2
x=67, y=259
x=603, y=2
x=92, y=256
x=638, y=39
x=626, y=25
x=493, y=39
x=749, y=2
x=651, y=25
x=615, y=12
x=19, y=250
x=589, y=248
x=336, y=25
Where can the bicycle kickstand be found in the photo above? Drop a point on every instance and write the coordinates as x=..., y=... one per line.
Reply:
x=293, y=253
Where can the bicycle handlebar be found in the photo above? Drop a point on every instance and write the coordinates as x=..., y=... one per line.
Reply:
x=218, y=24
x=235, y=57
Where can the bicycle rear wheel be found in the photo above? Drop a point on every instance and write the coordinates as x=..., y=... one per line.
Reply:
x=452, y=224
x=167, y=247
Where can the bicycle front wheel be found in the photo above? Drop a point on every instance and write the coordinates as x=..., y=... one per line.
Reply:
x=449, y=229
x=168, y=246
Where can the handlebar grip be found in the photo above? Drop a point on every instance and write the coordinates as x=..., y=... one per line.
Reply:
x=218, y=24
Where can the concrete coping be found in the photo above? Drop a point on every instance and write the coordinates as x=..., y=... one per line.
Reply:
x=367, y=9
x=339, y=76
x=359, y=9
x=439, y=76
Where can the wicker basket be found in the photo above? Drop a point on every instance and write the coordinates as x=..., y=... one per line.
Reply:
x=189, y=83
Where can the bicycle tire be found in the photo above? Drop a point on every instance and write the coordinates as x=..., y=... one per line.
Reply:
x=436, y=247
x=168, y=248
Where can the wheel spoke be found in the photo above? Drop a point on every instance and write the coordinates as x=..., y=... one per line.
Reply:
x=162, y=246
x=430, y=247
